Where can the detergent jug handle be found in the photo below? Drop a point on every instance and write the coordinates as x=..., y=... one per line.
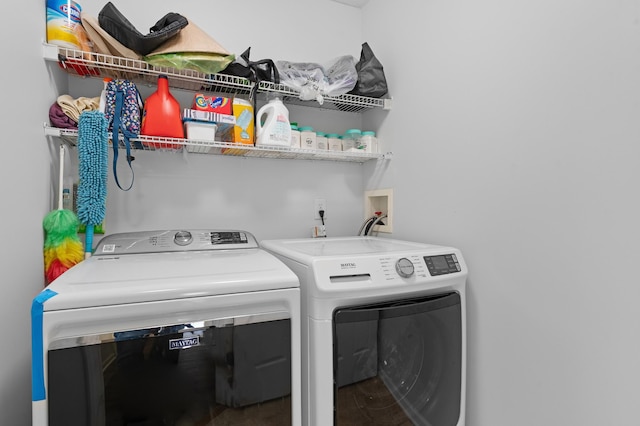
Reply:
x=262, y=111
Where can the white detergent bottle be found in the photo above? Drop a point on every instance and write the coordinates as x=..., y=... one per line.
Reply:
x=272, y=125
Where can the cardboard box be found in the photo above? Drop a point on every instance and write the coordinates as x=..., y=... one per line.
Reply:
x=218, y=104
x=214, y=117
x=244, y=127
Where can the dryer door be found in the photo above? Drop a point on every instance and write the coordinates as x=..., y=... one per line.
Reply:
x=209, y=372
x=399, y=363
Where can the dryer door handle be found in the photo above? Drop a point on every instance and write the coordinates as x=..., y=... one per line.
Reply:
x=397, y=308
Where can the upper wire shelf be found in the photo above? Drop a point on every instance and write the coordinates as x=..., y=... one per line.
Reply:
x=97, y=65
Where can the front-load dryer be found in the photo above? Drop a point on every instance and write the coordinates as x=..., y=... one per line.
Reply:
x=176, y=327
x=383, y=330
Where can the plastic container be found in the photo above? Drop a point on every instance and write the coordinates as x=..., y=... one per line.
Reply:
x=295, y=136
x=334, y=142
x=161, y=116
x=272, y=125
x=322, y=141
x=369, y=142
x=351, y=140
x=64, y=27
x=201, y=131
x=308, y=138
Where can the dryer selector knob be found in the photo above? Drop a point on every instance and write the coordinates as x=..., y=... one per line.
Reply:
x=404, y=267
x=182, y=238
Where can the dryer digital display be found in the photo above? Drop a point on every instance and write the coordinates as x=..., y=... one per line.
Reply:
x=442, y=264
x=229, y=238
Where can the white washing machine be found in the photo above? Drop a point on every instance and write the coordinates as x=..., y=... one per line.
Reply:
x=383, y=330
x=175, y=327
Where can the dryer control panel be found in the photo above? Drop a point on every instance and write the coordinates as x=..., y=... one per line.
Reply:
x=174, y=240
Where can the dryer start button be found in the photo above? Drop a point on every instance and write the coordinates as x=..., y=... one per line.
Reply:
x=183, y=238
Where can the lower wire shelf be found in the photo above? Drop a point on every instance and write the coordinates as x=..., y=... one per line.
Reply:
x=174, y=145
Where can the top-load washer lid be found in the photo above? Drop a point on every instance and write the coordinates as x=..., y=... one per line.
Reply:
x=306, y=248
x=171, y=264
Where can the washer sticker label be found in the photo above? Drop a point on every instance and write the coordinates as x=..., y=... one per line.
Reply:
x=109, y=248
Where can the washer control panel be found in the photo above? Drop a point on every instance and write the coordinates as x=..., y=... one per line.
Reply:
x=419, y=266
x=404, y=267
x=174, y=240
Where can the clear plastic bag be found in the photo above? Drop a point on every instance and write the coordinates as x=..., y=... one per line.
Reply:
x=315, y=81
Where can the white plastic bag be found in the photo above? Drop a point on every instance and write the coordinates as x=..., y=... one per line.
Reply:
x=314, y=81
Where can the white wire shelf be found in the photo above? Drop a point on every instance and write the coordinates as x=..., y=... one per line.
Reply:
x=152, y=143
x=96, y=65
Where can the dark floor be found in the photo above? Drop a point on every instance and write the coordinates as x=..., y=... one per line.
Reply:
x=369, y=403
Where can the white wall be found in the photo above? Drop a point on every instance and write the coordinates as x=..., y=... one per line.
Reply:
x=515, y=137
x=24, y=184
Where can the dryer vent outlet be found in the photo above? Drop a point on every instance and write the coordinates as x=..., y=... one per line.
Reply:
x=380, y=200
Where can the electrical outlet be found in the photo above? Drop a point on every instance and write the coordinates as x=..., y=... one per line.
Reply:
x=319, y=204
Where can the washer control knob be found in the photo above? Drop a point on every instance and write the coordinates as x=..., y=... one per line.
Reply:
x=404, y=267
x=182, y=238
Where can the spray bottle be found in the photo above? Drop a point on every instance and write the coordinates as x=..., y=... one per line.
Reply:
x=103, y=95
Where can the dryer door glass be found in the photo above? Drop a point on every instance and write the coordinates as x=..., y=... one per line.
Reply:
x=399, y=363
x=187, y=374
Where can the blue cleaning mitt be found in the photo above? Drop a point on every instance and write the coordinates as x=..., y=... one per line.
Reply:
x=93, y=142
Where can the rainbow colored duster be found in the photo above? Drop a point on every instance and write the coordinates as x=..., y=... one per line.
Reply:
x=62, y=247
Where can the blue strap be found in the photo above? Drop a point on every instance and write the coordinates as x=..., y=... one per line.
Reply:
x=115, y=142
x=38, y=392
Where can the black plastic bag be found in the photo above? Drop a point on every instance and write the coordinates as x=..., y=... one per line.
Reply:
x=371, y=79
x=254, y=71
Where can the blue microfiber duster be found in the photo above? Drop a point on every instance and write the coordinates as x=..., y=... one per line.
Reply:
x=93, y=141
